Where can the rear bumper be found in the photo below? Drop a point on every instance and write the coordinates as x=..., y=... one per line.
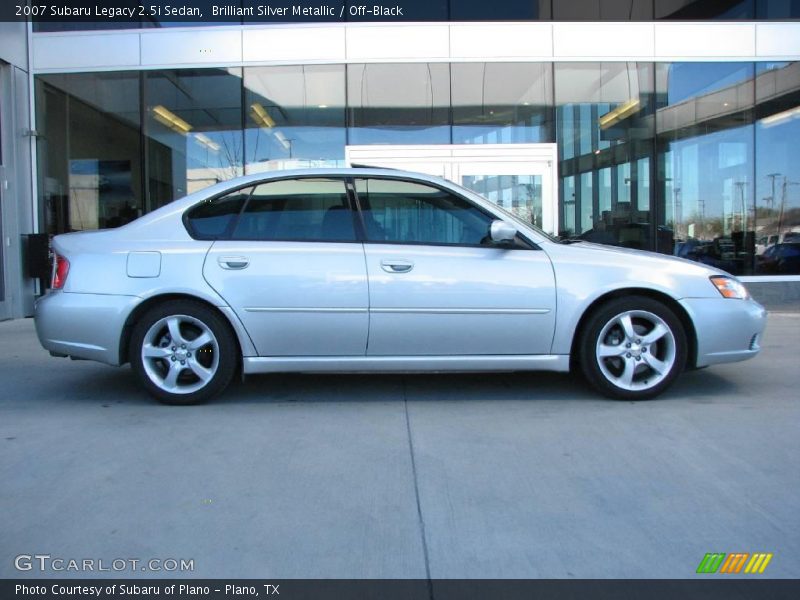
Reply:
x=727, y=330
x=83, y=325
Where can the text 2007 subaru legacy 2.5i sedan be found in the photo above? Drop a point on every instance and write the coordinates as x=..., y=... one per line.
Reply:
x=378, y=270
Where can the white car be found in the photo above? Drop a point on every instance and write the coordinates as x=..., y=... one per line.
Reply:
x=353, y=270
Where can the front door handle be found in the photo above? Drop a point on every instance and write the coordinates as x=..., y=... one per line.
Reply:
x=233, y=262
x=396, y=265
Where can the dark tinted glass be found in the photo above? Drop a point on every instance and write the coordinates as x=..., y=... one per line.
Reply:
x=698, y=10
x=89, y=150
x=304, y=209
x=405, y=212
x=212, y=219
x=602, y=10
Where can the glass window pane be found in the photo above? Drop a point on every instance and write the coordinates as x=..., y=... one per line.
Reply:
x=777, y=223
x=500, y=10
x=513, y=100
x=705, y=134
x=294, y=117
x=213, y=219
x=604, y=113
x=602, y=10
x=778, y=9
x=304, y=209
x=194, y=130
x=406, y=212
x=698, y=10
x=89, y=153
x=399, y=103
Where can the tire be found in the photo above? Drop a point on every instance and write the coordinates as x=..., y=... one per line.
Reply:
x=196, y=368
x=632, y=348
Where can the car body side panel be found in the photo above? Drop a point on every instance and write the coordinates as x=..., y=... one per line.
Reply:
x=458, y=300
x=727, y=330
x=586, y=272
x=295, y=298
x=98, y=274
x=83, y=325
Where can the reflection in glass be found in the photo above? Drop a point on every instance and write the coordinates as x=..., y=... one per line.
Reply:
x=777, y=162
x=604, y=129
x=602, y=10
x=704, y=125
x=698, y=10
x=502, y=103
x=89, y=150
x=399, y=103
x=194, y=130
x=294, y=117
x=519, y=194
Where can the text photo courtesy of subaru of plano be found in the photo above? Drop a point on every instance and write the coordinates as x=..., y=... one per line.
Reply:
x=375, y=270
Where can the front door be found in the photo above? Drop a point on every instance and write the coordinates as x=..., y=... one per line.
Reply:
x=293, y=270
x=438, y=286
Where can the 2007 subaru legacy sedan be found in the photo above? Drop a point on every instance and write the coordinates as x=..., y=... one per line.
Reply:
x=359, y=270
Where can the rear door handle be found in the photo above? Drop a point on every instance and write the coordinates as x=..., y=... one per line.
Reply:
x=233, y=262
x=396, y=265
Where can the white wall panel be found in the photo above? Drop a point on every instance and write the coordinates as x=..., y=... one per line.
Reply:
x=482, y=41
x=192, y=47
x=625, y=40
x=705, y=40
x=409, y=42
x=293, y=44
x=777, y=39
x=357, y=42
x=53, y=52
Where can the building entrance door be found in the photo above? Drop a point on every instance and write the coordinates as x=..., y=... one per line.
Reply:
x=521, y=178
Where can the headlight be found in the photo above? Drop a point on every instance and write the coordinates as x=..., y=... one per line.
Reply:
x=729, y=287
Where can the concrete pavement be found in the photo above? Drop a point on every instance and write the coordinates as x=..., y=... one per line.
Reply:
x=354, y=476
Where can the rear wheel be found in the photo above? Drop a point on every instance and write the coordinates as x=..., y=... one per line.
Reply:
x=632, y=348
x=183, y=352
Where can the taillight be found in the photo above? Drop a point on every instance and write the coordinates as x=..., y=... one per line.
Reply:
x=60, y=272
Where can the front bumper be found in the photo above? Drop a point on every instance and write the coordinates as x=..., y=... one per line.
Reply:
x=83, y=325
x=727, y=330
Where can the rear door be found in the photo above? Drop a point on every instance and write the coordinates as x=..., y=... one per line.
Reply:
x=293, y=270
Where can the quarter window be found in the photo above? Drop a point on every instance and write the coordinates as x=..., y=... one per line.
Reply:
x=212, y=219
x=404, y=212
x=297, y=209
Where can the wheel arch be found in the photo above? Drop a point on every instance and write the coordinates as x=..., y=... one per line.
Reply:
x=667, y=300
x=152, y=301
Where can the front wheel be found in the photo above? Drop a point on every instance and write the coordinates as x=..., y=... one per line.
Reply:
x=632, y=348
x=183, y=352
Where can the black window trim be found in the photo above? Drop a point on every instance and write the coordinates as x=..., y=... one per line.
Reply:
x=354, y=205
x=227, y=236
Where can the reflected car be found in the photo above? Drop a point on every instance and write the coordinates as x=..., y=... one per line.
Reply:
x=780, y=259
x=376, y=270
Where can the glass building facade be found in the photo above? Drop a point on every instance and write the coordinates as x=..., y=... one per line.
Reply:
x=697, y=159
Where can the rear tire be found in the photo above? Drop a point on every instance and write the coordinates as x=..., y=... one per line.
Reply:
x=632, y=348
x=183, y=352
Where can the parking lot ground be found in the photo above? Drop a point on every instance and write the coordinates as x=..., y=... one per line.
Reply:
x=400, y=476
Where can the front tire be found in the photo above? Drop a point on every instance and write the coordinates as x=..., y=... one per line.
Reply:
x=632, y=348
x=183, y=352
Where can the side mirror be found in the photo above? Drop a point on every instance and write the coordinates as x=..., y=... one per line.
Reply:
x=502, y=232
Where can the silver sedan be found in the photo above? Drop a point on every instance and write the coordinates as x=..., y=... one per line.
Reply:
x=354, y=270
